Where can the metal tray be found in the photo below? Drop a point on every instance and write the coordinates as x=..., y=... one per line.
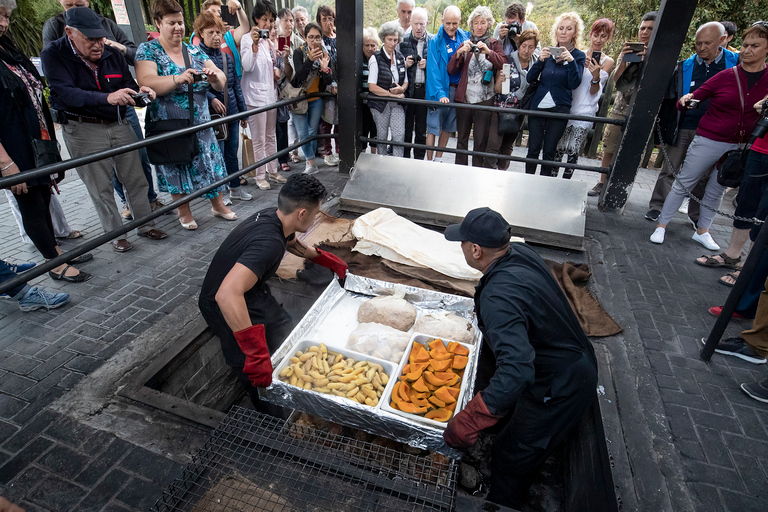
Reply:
x=386, y=397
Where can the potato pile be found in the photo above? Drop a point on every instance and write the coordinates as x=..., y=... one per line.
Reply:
x=319, y=370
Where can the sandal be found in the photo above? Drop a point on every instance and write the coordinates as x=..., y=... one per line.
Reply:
x=732, y=275
x=243, y=181
x=72, y=235
x=81, y=259
x=713, y=262
x=285, y=167
x=62, y=276
x=295, y=158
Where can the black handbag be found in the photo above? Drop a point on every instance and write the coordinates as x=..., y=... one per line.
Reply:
x=509, y=122
x=178, y=150
x=46, y=152
x=730, y=167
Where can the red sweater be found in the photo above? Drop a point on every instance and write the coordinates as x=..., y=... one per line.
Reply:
x=724, y=120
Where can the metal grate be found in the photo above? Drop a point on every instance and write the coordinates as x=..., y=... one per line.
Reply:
x=254, y=462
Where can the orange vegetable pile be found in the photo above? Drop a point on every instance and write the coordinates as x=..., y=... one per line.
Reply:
x=430, y=383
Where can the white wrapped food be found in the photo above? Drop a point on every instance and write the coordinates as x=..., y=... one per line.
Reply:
x=389, y=310
x=379, y=341
x=446, y=325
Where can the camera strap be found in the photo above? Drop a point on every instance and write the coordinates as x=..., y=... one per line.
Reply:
x=741, y=99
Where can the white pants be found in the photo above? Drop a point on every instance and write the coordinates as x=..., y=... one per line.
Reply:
x=60, y=226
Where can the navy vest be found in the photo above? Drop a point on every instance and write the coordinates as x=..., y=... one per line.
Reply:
x=385, y=79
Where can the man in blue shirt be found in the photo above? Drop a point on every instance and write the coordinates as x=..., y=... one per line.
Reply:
x=441, y=86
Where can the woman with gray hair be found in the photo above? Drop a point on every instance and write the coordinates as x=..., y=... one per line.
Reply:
x=478, y=60
x=387, y=77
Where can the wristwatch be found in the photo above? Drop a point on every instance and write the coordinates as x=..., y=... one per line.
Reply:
x=595, y=81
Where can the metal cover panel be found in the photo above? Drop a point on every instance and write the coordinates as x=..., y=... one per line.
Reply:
x=547, y=211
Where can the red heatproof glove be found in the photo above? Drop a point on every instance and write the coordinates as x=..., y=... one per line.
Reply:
x=258, y=365
x=463, y=429
x=331, y=261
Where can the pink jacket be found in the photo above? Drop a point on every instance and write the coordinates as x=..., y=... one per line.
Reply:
x=258, y=82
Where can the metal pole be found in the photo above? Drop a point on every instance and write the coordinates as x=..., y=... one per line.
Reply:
x=349, y=34
x=669, y=33
x=135, y=29
x=745, y=276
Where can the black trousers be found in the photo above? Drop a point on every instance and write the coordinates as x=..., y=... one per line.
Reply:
x=281, y=133
x=535, y=430
x=36, y=218
x=416, y=115
x=277, y=326
x=545, y=133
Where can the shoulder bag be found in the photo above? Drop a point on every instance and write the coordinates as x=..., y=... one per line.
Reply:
x=221, y=130
x=288, y=92
x=730, y=167
x=179, y=150
x=509, y=122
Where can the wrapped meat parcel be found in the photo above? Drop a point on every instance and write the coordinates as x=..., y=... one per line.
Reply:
x=446, y=325
x=379, y=340
x=391, y=310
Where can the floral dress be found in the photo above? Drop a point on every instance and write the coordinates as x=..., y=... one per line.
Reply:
x=208, y=166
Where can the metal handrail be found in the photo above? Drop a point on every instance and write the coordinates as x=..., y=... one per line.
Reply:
x=486, y=108
x=550, y=163
x=47, y=170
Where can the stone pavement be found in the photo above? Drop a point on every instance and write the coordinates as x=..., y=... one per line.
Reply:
x=708, y=441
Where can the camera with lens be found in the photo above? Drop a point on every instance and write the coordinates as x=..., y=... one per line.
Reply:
x=201, y=77
x=515, y=29
x=141, y=99
x=263, y=33
x=474, y=49
x=692, y=103
x=761, y=128
x=416, y=58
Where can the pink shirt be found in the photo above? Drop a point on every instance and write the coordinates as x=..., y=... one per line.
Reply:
x=258, y=82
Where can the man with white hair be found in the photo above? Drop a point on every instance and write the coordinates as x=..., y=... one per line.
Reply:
x=679, y=128
x=415, y=49
x=404, y=13
x=441, y=86
x=300, y=19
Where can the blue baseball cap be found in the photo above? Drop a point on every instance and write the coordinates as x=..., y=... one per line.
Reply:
x=86, y=21
x=481, y=226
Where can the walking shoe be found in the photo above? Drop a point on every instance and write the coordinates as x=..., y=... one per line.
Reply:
x=18, y=268
x=716, y=310
x=706, y=240
x=684, y=207
x=595, y=191
x=658, y=236
x=37, y=298
x=226, y=198
x=331, y=160
x=127, y=212
x=310, y=169
x=295, y=157
x=652, y=214
x=737, y=347
x=276, y=177
x=263, y=184
x=239, y=193
x=156, y=205
x=757, y=390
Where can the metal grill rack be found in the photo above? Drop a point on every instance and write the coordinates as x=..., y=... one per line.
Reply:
x=254, y=462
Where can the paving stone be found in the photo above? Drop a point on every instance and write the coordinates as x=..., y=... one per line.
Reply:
x=99, y=466
x=7, y=430
x=57, y=494
x=680, y=422
x=26, y=346
x=9, y=406
x=707, y=496
x=29, y=432
x=742, y=502
x=63, y=461
x=715, y=421
x=52, y=363
x=23, y=484
x=112, y=483
x=69, y=432
x=140, y=494
x=34, y=408
x=15, y=385
x=20, y=462
x=44, y=385
x=19, y=364
x=152, y=466
x=84, y=364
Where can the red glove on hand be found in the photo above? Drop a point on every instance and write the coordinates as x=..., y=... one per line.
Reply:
x=463, y=429
x=258, y=365
x=331, y=261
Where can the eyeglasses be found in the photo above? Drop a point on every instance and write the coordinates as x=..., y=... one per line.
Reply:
x=314, y=38
x=761, y=23
x=212, y=33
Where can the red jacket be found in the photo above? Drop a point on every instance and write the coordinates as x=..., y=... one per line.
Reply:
x=460, y=63
x=724, y=120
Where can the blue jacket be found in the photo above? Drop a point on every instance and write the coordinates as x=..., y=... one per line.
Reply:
x=438, y=83
x=235, y=102
x=558, y=79
x=731, y=59
x=74, y=88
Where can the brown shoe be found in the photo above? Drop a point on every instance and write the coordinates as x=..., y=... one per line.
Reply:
x=121, y=245
x=154, y=234
x=127, y=215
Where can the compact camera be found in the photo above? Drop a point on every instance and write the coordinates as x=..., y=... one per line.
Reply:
x=141, y=99
x=692, y=103
x=474, y=49
x=515, y=29
x=201, y=77
x=263, y=33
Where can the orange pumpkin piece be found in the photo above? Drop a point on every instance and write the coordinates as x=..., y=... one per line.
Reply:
x=415, y=395
x=431, y=387
x=411, y=408
x=418, y=354
x=420, y=386
x=441, y=356
x=422, y=402
x=404, y=392
x=406, y=369
x=439, y=415
x=396, y=393
x=461, y=350
x=436, y=401
x=436, y=345
x=416, y=369
x=440, y=366
x=445, y=395
x=433, y=379
x=394, y=405
x=451, y=407
x=454, y=392
x=459, y=362
x=451, y=346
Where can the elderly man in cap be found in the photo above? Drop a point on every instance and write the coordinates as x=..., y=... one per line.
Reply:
x=537, y=373
x=90, y=88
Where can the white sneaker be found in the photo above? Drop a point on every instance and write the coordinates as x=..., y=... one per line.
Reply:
x=437, y=159
x=225, y=197
x=239, y=193
x=311, y=169
x=706, y=240
x=684, y=207
x=331, y=160
x=658, y=236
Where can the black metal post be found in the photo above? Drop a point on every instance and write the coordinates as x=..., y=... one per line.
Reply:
x=137, y=31
x=349, y=34
x=745, y=276
x=668, y=36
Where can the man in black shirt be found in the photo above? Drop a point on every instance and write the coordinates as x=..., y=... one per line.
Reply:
x=235, y=299
x=537, y=368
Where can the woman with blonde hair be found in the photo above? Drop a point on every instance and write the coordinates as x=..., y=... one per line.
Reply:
x=558, y=72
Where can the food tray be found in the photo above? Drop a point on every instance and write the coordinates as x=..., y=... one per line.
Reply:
x=386, y=397
x=389, y=368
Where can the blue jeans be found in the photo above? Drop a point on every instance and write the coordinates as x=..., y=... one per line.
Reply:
x=5, y=274
x=130, y=114
x=229, y=149
x=307, y=125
